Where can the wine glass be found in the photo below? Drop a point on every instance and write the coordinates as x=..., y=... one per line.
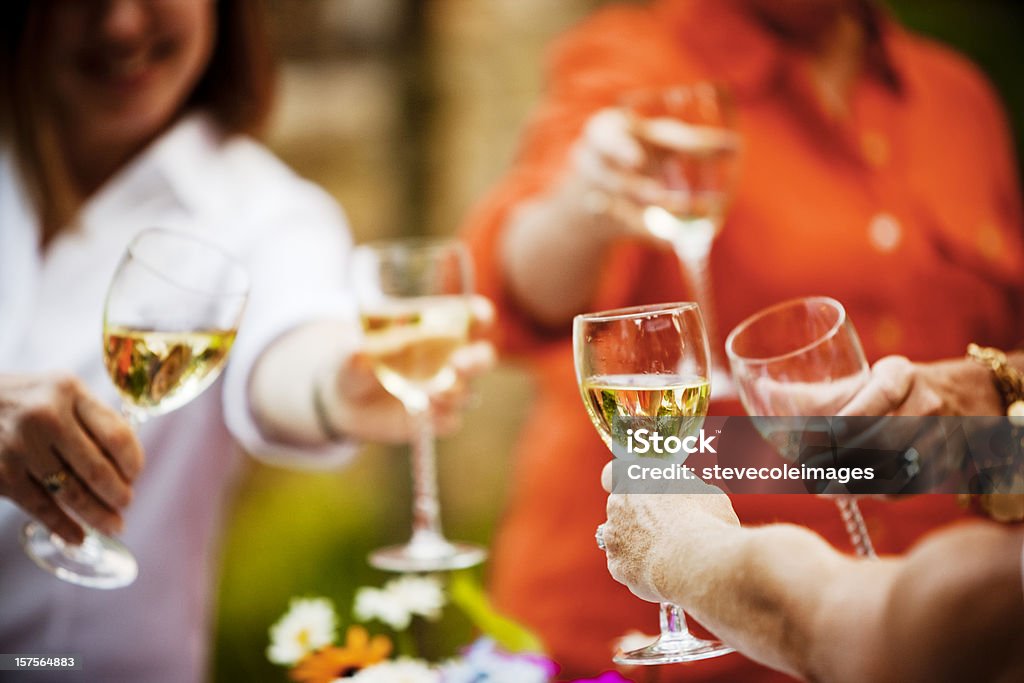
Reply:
x=691, y=151
x=639, y=363
x=171, y=315
x=801, y=358
x=415, y=307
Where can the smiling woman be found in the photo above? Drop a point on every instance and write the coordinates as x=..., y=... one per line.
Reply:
x=116, y=74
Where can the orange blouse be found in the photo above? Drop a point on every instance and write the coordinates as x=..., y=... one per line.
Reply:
x=907, y=210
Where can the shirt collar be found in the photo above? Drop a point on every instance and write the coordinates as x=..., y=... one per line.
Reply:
x=166, y=171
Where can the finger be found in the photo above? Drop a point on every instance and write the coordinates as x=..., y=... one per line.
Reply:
x=608, y=133
x=482, y=316
x=356, y=378
x=33, y=499
x=888, y=386
x=474, y=359
x=95, y=469
x=76, y=497
x=606, y=476
x=111, y=434
x=605, y=175
x=921, y=400
x=59, y=449
x=451, y=402
x=446, y=423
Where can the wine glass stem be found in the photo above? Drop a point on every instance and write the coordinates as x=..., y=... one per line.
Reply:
x=426, y=510
x=694, y=254
x=855, y=526
x=673, y=622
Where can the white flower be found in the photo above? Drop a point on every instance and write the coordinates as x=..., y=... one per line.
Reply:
x=633, y=640
x=420, y=595
x=380, y=604
x=400, y=600
x=308, y=625
x=398, y=671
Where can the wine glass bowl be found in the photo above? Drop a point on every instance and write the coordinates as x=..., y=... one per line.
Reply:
x=691, y=151
x=647, y=363
x=414, y=299
x=800, y=359
x=795, y=356
x=170, y=318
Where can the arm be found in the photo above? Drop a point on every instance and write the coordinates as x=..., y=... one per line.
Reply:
x=554, y=245
x=320, y=362
x=950, y=610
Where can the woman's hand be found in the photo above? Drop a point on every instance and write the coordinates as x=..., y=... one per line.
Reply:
x=364, y=409
x=644, y=531
x=59, y=444
x=951, y=387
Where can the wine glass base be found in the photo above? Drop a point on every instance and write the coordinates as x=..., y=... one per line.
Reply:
x=413, y=557
x=685, y=649
x=99, y=562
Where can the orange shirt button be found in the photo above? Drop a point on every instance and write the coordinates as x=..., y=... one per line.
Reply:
x=875, y=148
x=990, y=242
x=888, y=333
x=885, y=232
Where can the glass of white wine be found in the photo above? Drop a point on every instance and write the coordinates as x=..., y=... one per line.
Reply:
x=691, y=152
x=801, y=359
x=639, y=363
x=415, y=307
x=171, y=315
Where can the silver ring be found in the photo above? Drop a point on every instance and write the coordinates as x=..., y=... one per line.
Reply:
x=54, y=482
x=599, y=536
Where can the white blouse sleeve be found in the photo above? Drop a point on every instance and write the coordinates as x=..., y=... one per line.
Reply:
x=298, y=267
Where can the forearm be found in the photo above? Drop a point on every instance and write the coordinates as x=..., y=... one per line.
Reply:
x=288, y=373
x=756, y=588
x=949, y=610
x=552, y=252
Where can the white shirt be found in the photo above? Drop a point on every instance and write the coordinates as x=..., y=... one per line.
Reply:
x=295, y=243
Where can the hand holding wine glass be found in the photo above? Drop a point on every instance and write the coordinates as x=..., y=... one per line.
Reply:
x=416, y=306
x=677, y=161
x=359, y=406
x=171, y=316
x=647, y=362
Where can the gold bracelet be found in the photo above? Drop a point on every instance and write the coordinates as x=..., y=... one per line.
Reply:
x=1009, y=381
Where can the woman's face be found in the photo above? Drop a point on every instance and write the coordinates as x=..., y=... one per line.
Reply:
x=120, y=70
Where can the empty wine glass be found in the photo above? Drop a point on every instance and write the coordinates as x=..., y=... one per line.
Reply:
x=170, y=319
x=801, y=358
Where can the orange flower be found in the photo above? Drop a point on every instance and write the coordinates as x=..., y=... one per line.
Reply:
x=329, y=663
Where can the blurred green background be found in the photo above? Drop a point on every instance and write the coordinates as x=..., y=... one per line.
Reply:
x=406, y=111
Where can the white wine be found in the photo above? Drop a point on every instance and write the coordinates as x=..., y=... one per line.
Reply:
x=157, y=371
x=411, y=342
x=696, y=166
x=643, y=396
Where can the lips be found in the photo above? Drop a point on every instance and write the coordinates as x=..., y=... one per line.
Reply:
x=121, y=70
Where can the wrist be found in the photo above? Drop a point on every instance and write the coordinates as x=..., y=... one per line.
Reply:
x=1005, y=379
